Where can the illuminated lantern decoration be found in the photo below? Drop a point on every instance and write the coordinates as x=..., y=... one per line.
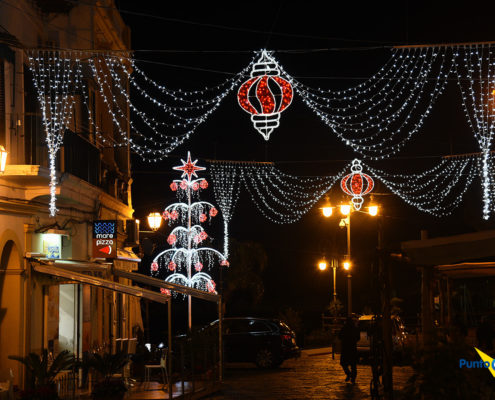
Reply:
x=173, y=186
x=154, y=266
x=357, y=184
x=213, y=211
x=265, y=95
x=195, y=186
x=203, y=184
x=198, y=266
x=202, y=218
x=171, y=239
x=172, y=266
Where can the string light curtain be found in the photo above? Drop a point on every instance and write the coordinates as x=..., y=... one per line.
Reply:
x=376, y=118
x=438, y=190
x=60, y=76
x=53, y=79
x=380, y=115
x=284, y=198
x=475, y=70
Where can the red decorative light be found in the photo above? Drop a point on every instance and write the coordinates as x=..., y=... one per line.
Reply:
x=198, y=266
x=203, y=235
x=210, y=286
x=173, y=186
x=154, y=266
x=195, y=186
x=357, y=184
x=171, y=239
x=203, y=184
x=203, y=218
x=189, y=167
x=165, y=215
x=183, y=185
x=172, y=266
x=224, y=263
x=213, y=212
x=165, y=291
x=174, y=214
x=256, y=97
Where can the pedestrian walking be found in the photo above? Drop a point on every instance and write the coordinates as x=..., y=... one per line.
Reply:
x=349, y=336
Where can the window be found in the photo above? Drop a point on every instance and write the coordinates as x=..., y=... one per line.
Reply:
x=258, y=326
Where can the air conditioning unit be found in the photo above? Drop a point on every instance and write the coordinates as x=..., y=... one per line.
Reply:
x=132, y=231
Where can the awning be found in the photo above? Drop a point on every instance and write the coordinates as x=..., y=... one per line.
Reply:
x=99, y=282
x=148, y=280
x=451, y=249
x=467, y=270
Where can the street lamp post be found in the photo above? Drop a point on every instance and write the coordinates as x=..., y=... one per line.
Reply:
x=322, y=265
x=346, y=210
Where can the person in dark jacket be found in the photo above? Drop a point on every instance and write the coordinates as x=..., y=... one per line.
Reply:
x=349, y=336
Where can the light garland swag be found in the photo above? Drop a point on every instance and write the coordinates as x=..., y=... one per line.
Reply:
x=284, y=198
x=376, y=118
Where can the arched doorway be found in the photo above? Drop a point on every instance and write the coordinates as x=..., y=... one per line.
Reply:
x=11, y=309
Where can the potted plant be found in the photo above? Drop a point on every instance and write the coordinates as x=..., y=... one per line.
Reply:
x=107, y=365
x=42, y=373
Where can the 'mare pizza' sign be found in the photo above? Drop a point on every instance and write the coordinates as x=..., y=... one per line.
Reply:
x=105, y=239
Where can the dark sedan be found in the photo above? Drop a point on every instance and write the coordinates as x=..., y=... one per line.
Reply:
x=266, y=342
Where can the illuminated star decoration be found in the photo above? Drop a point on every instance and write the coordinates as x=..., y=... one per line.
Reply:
x=189, y=168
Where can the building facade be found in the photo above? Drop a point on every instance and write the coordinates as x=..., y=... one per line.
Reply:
x=41, y=306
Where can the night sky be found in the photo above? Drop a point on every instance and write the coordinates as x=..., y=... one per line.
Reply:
x=332, y=48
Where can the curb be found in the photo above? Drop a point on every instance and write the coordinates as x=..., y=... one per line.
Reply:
x=317, y=352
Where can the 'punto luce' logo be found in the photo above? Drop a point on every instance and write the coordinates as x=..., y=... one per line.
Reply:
x=485, y=362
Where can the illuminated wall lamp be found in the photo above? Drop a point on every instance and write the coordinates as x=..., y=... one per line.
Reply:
x=3, y=159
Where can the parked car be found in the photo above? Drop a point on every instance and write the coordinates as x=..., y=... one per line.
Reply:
x=365, y=326
x=266, y=342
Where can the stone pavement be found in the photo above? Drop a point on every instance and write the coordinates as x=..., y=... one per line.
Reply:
x=313, y=376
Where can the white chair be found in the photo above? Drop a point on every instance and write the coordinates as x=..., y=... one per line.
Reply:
x=149, y=368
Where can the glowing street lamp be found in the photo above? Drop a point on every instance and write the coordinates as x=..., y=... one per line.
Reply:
x=322, y=265
x=327, y=211
x=154, y=220
x=345, y=209
x=373, y=211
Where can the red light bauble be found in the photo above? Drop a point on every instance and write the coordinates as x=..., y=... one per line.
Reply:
x=154, y=266
x=357, y=184
x=171, y=239
x=173, y=186
x=265, y=95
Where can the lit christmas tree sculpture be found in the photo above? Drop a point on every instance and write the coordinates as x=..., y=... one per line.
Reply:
x=187, y=258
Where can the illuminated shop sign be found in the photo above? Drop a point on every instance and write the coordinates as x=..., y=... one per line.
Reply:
x=105, y=239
